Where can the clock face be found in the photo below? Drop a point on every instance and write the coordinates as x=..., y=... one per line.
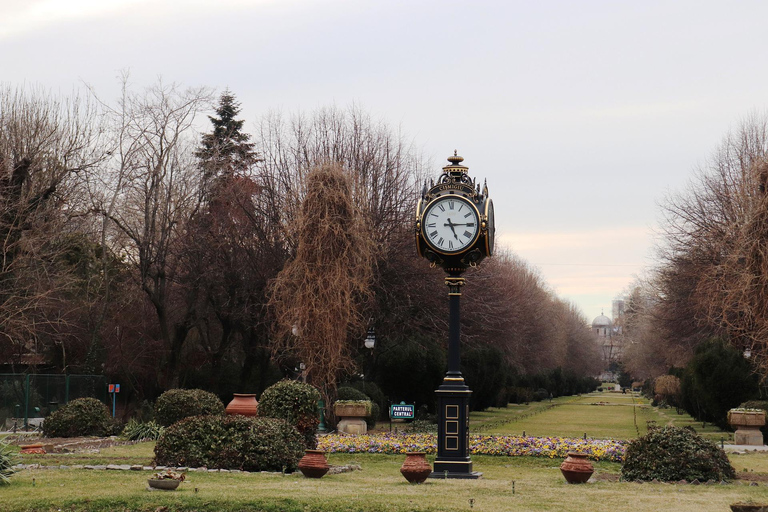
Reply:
x=450, y=224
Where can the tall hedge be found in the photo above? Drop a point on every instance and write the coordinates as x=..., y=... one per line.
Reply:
x=294, y=402
x=231, y=442
x=717, y=378
x=177, y=404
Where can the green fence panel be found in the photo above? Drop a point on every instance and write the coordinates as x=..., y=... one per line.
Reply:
x=27, y=398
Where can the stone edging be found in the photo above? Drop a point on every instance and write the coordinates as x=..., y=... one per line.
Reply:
x=334, y=470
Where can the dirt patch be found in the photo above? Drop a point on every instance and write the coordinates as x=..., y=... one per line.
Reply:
x=752, y=477
x=69, y=444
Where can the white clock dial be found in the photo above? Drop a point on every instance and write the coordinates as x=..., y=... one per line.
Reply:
x=450, y=224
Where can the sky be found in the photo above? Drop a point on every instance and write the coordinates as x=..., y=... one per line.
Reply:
x=582, y=115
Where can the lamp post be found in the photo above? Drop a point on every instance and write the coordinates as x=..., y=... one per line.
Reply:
x=454, y=230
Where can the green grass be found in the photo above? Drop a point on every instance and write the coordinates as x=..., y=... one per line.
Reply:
x=538, y=485
x=508, y=483
x=598, y=415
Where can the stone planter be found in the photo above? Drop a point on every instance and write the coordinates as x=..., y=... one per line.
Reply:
x=416, y=469
x=747, y=425
x=244, y=404
x=352, y=418
x=167, y=484
x=313, y=464
x=576, y=468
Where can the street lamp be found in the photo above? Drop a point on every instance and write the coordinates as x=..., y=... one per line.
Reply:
x=370, y=339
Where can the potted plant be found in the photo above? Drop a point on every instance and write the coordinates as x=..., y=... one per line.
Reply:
x=352, y=414
x=352, y=408
x=167, y=480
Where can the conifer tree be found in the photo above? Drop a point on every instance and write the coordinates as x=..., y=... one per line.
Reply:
x=226, y=151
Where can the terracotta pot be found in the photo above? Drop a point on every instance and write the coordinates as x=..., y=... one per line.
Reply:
x=576, y=468
x=313, y=464
x=416, y=469
x=243, y=404
x=749, y=507
x=32, y=448
x=165, y=484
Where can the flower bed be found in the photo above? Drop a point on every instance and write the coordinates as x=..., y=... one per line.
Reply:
x=596, y=449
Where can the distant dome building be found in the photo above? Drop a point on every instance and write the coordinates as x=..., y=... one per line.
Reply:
x=602, y=325
x=609, y=337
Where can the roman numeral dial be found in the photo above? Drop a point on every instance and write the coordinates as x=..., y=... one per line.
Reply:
x=450, y=224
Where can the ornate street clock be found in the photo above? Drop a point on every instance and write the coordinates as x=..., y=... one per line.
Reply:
x=455, y=229
x=454, y=220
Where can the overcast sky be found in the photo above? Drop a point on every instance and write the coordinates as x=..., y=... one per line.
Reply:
x=582, y=115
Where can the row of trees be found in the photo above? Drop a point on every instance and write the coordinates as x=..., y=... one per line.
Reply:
x=712, y=279
x=136, y=247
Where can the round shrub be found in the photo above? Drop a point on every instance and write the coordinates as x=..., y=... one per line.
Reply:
x=80, y=417
x=350, y=393
x=294, y=402
x=231, y=442
x=177, y=404
x=671, y=454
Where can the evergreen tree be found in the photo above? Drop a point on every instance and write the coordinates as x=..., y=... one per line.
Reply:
x=226, y=151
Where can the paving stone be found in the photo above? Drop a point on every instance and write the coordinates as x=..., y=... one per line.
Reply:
x=137, y=467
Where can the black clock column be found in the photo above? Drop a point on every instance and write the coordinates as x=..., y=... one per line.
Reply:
x=453, y=459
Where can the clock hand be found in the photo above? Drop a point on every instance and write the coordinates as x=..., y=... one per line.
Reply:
x=451, y=224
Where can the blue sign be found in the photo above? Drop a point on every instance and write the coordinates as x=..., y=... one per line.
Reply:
x=401, y=411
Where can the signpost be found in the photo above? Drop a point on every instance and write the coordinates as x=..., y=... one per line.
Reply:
x=114, y=389
x=401, y=411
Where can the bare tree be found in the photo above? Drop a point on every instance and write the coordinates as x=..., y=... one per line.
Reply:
x=713, y=278
x=148, y=194
x=47, y=145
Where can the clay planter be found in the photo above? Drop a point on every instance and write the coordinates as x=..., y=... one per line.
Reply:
x=416, y=469
x=749, y=507
x=165, y=484
x=32, y=448
x=576, y=468
x=243, y=404
x=313, y=464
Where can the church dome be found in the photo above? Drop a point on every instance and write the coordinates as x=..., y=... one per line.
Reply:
x=601, y=321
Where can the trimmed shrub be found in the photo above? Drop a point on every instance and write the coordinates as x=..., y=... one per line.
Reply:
x=294, y=402
x=670, y=454
x=353, y=393
x=231, y=442
x=7, y=461
x=350, y=393
x=80, y=417
x=138, y=431
x=177, y=404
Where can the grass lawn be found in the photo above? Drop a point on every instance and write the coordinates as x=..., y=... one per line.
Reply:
x=598, y=415
x=507, y=484
x=520, y=483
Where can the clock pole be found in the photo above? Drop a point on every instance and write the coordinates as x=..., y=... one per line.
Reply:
x=437, y=217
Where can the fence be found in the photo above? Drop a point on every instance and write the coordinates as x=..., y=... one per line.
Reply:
x=25, y=399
